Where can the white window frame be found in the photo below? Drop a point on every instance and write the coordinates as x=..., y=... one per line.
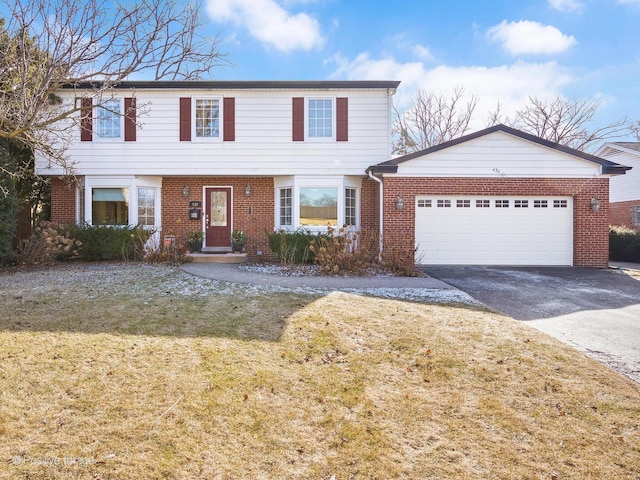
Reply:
x=130, y=182
x=307, y=109
x=96, y=121
x=194, y=137
x=341, y=183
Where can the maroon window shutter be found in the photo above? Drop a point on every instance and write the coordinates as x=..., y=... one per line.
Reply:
x=298, y=119
x=185, y=119
x=342, y=119
x=130, y=119
x=86, y=120
x=229, y=121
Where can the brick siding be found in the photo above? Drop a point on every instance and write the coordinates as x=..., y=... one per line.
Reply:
x=590, y=229
x=620, y=213
x=63, y=200
x=175, y=208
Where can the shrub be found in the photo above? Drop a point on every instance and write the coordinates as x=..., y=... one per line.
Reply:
x=344, y=251
x=49, y=243
x=293, y=247
x=624, y=244
x=171, y=253
x=109, y=242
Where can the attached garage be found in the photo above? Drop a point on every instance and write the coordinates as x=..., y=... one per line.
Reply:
x=494, y=230
x=497, y=197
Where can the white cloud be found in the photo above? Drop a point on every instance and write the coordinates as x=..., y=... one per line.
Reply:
x=421, y=52
x=566, y=6
x=526, y=37
x=269, y=22
x=510, y=85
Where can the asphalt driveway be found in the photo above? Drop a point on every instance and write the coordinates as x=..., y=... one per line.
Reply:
x=595, y=311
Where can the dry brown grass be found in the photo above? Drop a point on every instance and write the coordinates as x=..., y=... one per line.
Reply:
x=281, y=385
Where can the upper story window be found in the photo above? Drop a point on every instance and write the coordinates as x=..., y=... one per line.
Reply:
x=320, y=118
x=109, y=120
x=207, y=118
x=211, y=118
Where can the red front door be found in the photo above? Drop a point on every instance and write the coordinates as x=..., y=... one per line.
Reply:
x=218, y=217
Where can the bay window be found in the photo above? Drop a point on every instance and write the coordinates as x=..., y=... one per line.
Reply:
x=317, y=203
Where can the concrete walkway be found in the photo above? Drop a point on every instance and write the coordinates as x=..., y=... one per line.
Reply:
x=238, y=274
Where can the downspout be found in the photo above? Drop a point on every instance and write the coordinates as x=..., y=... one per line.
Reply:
x=373, y=177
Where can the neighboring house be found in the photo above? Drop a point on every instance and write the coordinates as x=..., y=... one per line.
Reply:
x=624, y=191
x=264, y=156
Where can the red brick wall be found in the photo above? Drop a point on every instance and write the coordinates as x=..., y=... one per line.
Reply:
x=370, y=205
x=620, y=213
x=175, y=208
x=63, y=200
x=591, y=230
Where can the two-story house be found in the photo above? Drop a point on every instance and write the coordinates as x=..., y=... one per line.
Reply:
x=268, y=155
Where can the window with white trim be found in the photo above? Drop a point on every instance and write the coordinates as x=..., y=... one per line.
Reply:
x=444, y=203
x=424, y=203
x=463, y=203
x=502, y=203
x=521, y=203
x=318, y=206
x=110, y=206
x=286, y=207
x=109, y=120
x=483, y=203
x=147, y=206
x=635, y=215
x=559, y=204
x=320, y=119
x=350, y=202
x=207, y=118
x=540, y=204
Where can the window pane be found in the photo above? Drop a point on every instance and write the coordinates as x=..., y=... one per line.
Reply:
x=146, y=206
x=350, y=206
x=108, y=124
x=285, y=207
x=318, y=206
x=208, y=118
x=320, y=118
x=110, y=206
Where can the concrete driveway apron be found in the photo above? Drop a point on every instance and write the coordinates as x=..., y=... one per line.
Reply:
x=595, y=311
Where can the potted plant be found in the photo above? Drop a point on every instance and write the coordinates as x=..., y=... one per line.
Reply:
x=195, y=240
x=238, y=240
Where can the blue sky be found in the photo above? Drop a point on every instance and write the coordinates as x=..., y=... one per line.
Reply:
x=498, y=50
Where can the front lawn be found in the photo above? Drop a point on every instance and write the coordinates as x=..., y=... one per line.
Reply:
x=142, y=372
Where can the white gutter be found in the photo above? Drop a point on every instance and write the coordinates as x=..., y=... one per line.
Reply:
x=373, y=177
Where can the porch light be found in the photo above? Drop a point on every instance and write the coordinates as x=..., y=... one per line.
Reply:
x=400, y=203
x=247, y=191
x=595, y=204
x=185, y=191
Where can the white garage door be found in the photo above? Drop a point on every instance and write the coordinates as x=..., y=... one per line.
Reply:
x=494, y=230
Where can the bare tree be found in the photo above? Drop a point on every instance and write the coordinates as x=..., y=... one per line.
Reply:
x=48, y=44
x=634, y=128
x=568, y=122
x=432, y=119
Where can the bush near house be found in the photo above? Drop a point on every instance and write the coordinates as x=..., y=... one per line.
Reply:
x=624, y=244
x=52, y=242
x=107, y=242
x=292, y=248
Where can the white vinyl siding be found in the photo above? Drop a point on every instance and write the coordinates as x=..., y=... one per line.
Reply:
x=262, y=146
x=499, y=155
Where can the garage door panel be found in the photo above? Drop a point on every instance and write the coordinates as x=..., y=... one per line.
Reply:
x=502, y=231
